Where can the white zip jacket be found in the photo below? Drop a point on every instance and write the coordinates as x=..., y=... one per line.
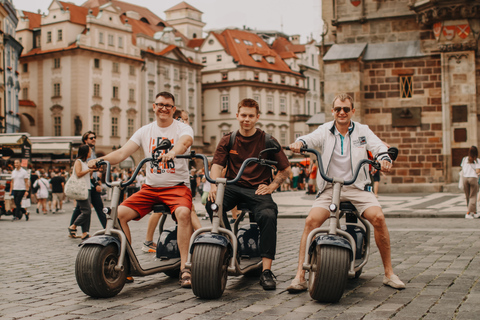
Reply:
x=361, y=140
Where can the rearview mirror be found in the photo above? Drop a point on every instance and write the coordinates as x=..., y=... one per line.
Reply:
x=393, y=153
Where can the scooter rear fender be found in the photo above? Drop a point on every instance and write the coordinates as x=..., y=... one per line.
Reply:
x=103, y=240
x=210, y=238
x=330, y=240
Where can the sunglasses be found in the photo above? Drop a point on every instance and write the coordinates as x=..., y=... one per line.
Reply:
x=166, y=106
x=345, y=109
x=91, y=138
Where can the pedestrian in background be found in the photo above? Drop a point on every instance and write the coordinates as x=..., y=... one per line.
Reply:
x=20, y=187
x=57, y=183
x=470, y=169
x=42, y=192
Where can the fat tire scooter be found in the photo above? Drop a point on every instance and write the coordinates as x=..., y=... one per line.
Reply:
x=215, y=251
x=340, y=251
x=107, y=258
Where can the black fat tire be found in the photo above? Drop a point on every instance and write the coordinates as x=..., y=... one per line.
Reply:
x=358, y=273
x=95, y=273
x=329, y=275
x=209, y=270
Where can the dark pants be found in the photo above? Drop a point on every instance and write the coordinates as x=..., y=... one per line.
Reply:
x=96, y=200
x=17, y=198
x=84, y=217
x=264, y=209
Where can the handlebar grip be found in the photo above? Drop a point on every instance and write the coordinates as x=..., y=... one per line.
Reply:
x=100, y=163
x=271, y=162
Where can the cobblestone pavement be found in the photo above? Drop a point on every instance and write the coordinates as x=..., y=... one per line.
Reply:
x=438, y=259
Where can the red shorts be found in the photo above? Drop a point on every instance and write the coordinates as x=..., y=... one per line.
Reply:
x=144, y=200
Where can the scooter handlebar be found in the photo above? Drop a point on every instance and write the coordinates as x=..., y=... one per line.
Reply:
x=375, y=164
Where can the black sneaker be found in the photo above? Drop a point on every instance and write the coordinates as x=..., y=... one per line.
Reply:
x=267, y=281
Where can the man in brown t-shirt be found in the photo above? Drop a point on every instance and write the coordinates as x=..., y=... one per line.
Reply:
x=256, y=184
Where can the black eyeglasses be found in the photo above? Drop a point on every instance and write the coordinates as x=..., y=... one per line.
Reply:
x=91, y=138
x=166, y=106
x=345, y=109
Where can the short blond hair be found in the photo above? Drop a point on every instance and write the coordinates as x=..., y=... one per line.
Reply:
x=342, y=97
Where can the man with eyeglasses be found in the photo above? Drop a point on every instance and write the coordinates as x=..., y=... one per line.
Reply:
x=163, y=184
x=90, y=138
x=343, y=143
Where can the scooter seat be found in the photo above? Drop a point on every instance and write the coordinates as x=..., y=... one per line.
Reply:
x=347, y=205
x=161, y=207
x=242, y=206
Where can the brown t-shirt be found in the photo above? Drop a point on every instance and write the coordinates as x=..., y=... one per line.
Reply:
x=243, y=148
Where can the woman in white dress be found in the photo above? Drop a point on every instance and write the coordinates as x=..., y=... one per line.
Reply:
x=471, y=169
x=42, y=193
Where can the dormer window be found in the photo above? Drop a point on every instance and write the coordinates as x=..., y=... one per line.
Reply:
x=248, y=43
x=257, y=57
x=236, y=40
x=270, y=59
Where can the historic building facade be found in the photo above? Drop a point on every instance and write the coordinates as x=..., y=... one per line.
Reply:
x=413, y=68
x=99, y=67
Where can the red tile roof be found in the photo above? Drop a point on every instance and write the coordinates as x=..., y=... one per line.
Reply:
x=182, y=5
x=282, y=45
x=241, y=44
x=78, y=15
x=195, y=43
x=26, y=103
x=33, y=18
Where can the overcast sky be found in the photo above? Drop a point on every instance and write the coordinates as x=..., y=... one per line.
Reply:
x=290, y=16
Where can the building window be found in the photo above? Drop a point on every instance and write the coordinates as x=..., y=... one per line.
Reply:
x=308, y=82
x=110, y=40
x=150, y=95
x=406, y=87
x=177, y=99
x=270, y=104
x=190, y=77
x=56, y=63
x=283, y=138
x=270, y=78
x=219, y=57
x=57, y=126
x=59, y=35
x=308, y=107
x=25, y=93
x=282, y=80
x=314, y=84
x=96, y=63
x=224, y=103
x=114, y=127
x=115, y=93
x=115, y=67
x=224, y=76
x=56, y=89
x=132, y=70
x=256, y=76
x=49, y=36
x=256, y=97
x=190, y=102
x=120, y=42
x=131, y=95
x=96, y=124
x=25, y=68
x=175, y=73
x=37, y=41
x=130, y=128
x=96, y=90
x=313, y=61
x=283, y=105
x=100, y=37
x=204, y=59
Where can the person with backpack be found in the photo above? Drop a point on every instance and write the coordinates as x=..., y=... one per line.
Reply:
x=256, y=184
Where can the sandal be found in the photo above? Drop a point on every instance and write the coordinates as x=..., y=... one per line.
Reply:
x=185, y=278
x=72, y=232
x=85, y=237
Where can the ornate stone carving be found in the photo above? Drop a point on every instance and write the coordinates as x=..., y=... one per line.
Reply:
x=467, y=46
x=430, y=12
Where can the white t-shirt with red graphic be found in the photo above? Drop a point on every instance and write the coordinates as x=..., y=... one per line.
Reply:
x=148, y=138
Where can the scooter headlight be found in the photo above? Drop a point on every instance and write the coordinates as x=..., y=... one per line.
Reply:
x=333, y=207
x=214, y=207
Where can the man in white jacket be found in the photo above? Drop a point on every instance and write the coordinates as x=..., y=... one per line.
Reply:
x=343, y=143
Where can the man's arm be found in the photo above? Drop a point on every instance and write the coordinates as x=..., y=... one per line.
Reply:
x=116, y=156
x=27, y=185
x=279, y=178
x=180, y=147
x=215, y=172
